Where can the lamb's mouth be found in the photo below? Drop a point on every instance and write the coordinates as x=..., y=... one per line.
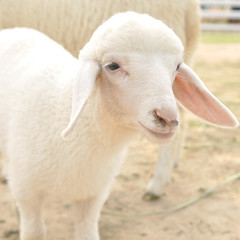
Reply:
x=157, y=134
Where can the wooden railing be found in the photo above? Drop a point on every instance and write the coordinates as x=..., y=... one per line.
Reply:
x=220, y=15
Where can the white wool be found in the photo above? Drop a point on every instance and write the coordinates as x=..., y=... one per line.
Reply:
x=72, y=22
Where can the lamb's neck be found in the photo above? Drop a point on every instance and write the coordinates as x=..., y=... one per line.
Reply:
x=106, y=130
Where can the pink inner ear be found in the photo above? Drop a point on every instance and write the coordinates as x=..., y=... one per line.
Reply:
x=193, y=95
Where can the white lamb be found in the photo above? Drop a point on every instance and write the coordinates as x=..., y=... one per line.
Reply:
x=72, y=22
x=123, y=83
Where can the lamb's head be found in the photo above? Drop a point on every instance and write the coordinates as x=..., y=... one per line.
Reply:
x=138, y=63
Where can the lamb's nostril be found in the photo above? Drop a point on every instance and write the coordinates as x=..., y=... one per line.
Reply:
x=175, y=123
x=159, y=119
x=163, y=121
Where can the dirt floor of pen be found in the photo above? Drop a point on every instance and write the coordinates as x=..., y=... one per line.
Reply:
x=210, y=155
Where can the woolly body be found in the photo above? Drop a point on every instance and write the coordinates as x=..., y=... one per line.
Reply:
x=72, y=23
x=43, y=94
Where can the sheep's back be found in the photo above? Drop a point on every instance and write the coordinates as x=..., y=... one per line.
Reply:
x=72, y=22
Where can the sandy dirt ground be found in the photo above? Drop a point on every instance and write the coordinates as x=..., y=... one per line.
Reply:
x=210, y=155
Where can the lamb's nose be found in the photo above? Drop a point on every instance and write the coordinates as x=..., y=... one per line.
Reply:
x=163, y=120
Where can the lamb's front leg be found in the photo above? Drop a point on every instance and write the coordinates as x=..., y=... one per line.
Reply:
x=31, y=219
x=162, y=173
x=86, y=219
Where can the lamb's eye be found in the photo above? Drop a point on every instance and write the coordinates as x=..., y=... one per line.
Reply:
x=113, y=66
x=178, y=66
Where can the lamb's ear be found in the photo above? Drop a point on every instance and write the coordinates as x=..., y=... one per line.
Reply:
x=84, y=84
x=190, y=91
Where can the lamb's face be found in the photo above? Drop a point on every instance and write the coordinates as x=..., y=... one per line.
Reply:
x=136, y=80
x=138, y=90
